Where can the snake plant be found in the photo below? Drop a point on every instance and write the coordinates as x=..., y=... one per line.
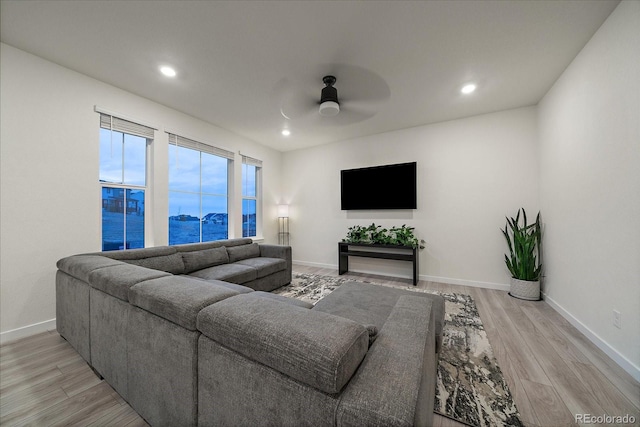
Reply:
x=524, y=242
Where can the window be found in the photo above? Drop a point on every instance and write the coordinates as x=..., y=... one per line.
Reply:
x=123, y=182
x=251, y=170
x=198, y=191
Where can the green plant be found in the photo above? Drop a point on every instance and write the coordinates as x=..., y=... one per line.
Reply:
x=524, y=241
x=404, y=236
x=375, y=234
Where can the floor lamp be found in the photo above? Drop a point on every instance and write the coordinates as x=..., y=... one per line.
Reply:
x=283, y=224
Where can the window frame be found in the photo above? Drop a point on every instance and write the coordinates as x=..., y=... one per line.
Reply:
x=199, y=147
x=126, y=126
x=246, y=160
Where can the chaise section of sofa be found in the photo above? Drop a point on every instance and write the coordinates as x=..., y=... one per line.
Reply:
x=373, y=304
x=267, y=363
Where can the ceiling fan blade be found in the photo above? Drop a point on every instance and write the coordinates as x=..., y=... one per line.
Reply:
x=293, y=101
x=297, y=106
x=360, y=106
x=357, y=83
x=345, y=117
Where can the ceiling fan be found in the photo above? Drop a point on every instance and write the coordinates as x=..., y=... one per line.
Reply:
x=361, y=95
x=329, y=105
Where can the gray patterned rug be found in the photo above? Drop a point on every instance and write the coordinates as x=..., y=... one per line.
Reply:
x=470, y=387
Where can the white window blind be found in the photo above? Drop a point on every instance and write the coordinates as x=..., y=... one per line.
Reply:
x=181, y=141
x=125, y=126
x=251, y=161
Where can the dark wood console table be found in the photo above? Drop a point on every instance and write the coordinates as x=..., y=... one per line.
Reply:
x=345, y=250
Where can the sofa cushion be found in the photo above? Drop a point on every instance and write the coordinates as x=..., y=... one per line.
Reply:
x=197, y=260
x=177, y=298
x=233, y=286
x=373, y=333
x=265, y=266
x=117, y=279
x=80, y=266
x=371, y=304
x=190, y=247
x=170, y=263
x=316, y=348
x=237, y=253
x=234, y=273
x=139, y=253
x=396, y=381
x=283, y=299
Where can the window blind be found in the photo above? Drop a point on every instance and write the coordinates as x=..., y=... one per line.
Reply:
x=125, y=126
x=199, y=146
x=251, y=161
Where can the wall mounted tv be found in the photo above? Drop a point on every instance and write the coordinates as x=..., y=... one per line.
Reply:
x=379, y=187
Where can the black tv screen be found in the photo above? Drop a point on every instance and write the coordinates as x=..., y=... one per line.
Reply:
x=380, y=187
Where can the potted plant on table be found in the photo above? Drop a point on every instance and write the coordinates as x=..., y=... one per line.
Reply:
x=376, y=235
x=524, y=263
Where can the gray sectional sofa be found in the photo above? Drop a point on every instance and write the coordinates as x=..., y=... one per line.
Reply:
x=190, y=335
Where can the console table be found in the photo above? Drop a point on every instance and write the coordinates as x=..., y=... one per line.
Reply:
x=345, y=250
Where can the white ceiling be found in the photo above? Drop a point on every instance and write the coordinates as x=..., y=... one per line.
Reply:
x=398, y=63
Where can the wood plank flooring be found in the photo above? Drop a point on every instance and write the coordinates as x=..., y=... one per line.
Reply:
x=552, y=370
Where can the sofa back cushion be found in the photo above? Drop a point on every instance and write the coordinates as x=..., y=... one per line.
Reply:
x=170, y=263
x=162, y=258
x=197, y=260
x=318, y=349
x=131, y=254
x=177, y=298
x=190, y=247
x=238, y=253
x=117, y=279
x=80, y=266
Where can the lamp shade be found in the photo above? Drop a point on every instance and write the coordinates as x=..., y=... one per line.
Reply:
x=283, y=211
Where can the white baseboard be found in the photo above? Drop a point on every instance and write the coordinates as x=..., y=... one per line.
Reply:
x=624, y=363
x=465, y=282
x=315, y=264
x=26, y=331
x=447, y=280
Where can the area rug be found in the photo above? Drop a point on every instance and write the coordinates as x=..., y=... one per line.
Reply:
x=470, y=388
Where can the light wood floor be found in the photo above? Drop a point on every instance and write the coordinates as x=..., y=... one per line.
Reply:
x=552, y=370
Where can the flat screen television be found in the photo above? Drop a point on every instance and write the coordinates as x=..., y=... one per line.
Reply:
x=379, y=187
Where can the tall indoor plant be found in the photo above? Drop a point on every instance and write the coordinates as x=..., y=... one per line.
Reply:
x=524, y=263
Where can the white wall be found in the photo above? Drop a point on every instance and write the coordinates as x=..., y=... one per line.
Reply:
x=50, y=199
x=589, y=125
x=471, y=173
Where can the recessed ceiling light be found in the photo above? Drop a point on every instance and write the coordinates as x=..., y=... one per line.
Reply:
x=168, y=71
x=286, y=132
x=468, y=88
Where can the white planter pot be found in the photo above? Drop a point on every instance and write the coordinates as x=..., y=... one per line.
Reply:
x=525, y=289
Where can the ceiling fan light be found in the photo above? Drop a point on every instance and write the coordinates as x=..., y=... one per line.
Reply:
x=329, y=105
x=329, y=108
x=168, y=71
x=468, y=88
